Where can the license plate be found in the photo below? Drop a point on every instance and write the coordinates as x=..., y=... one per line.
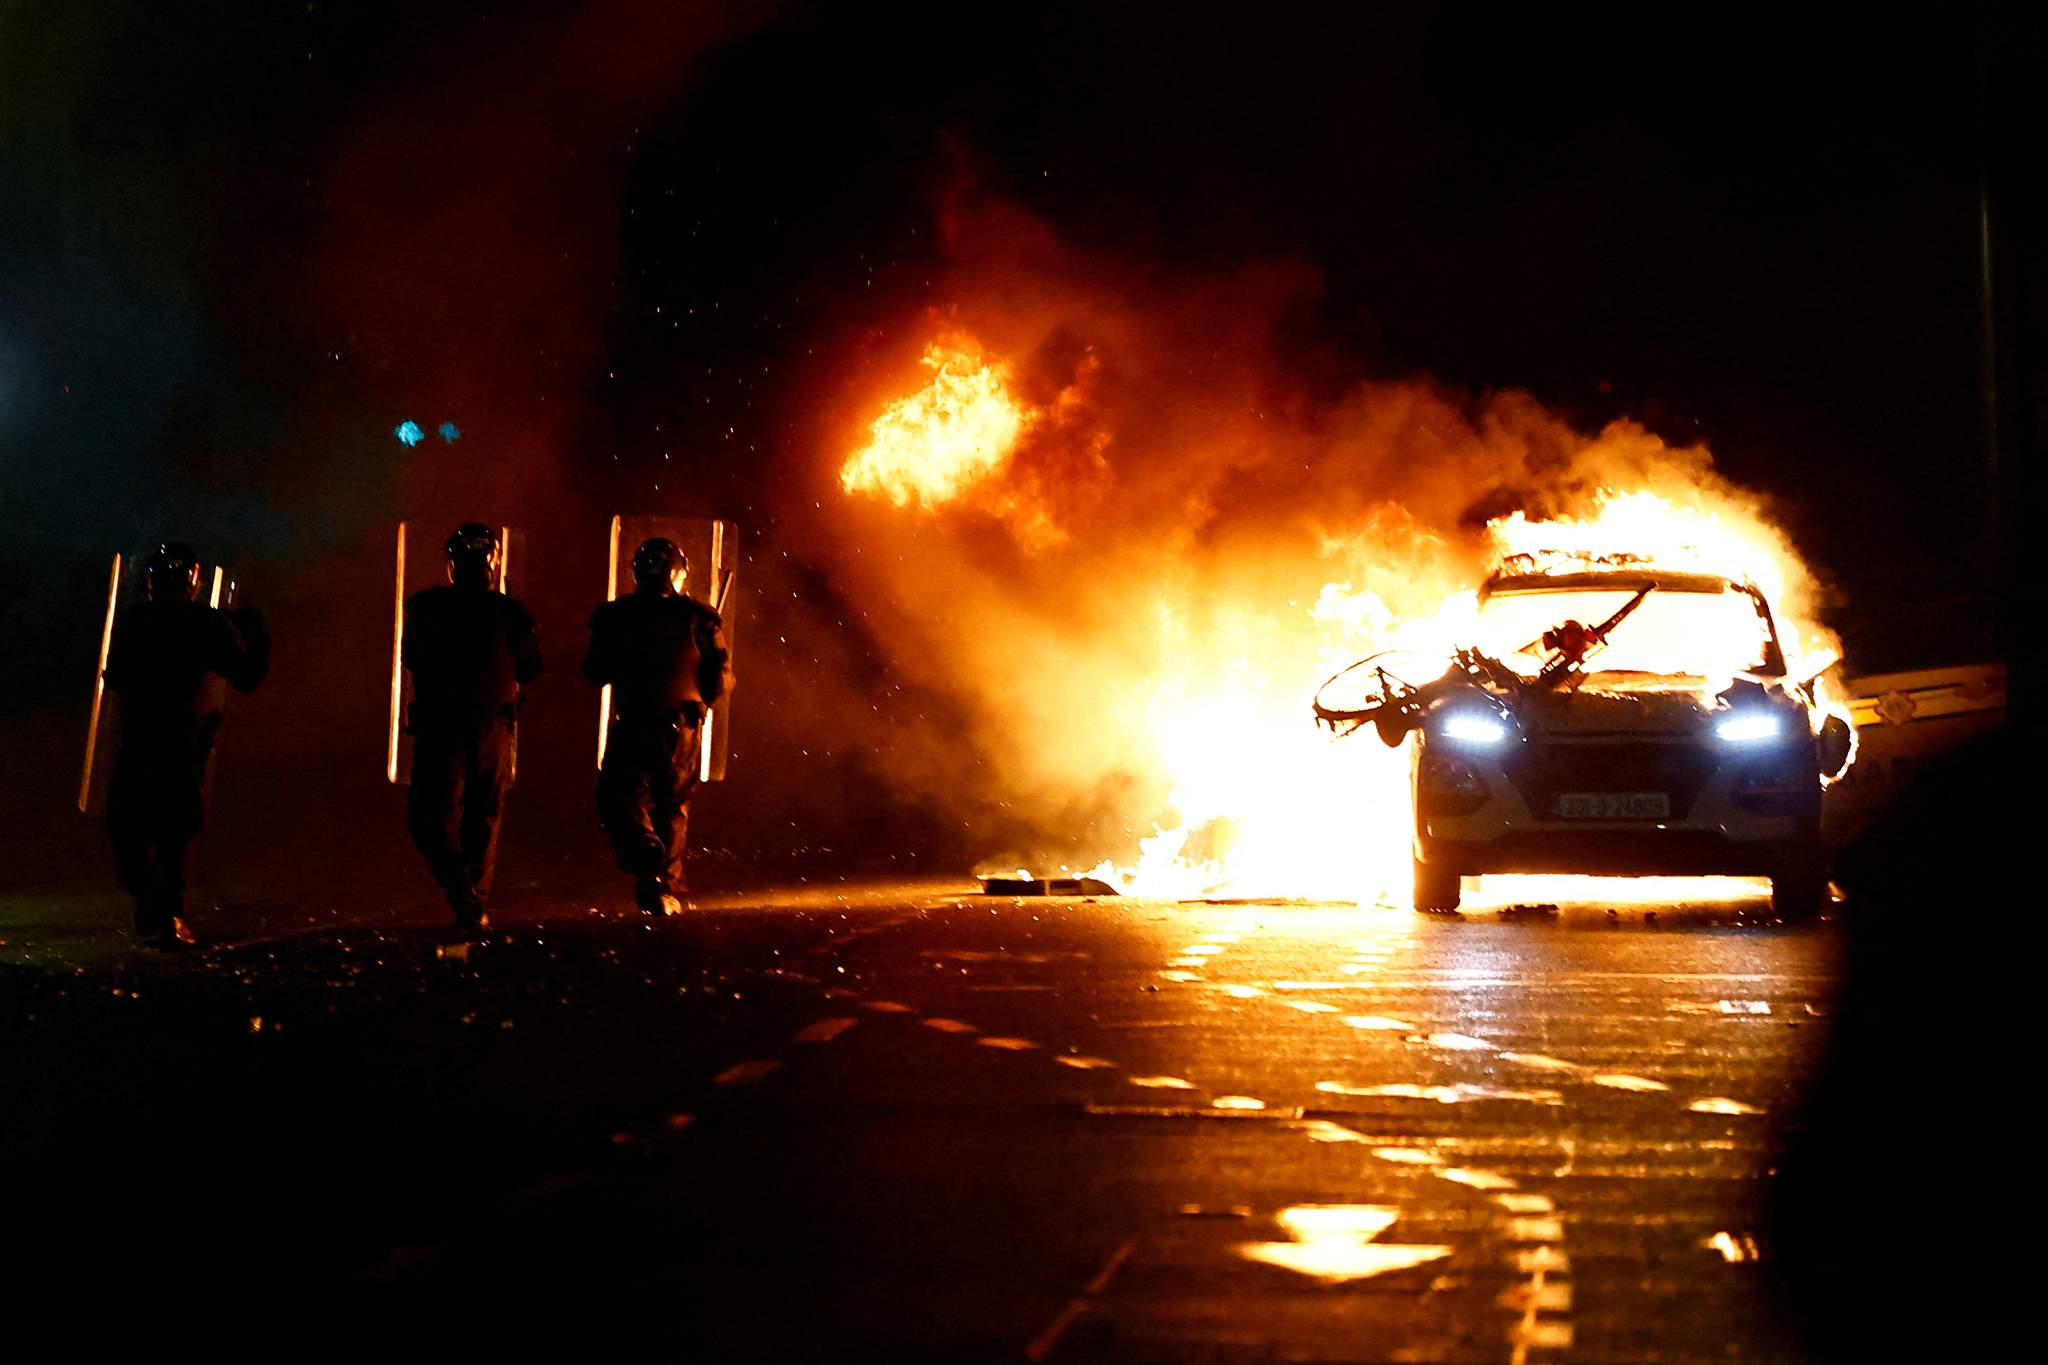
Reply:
x=1613, y=806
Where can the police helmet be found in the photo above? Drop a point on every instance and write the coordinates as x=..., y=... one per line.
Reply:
x=473, y=555
x=171, y=573
x=661, y=567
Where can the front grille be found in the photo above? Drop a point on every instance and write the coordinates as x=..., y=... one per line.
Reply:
x=1547, y=768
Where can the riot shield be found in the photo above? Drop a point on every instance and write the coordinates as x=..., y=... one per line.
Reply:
x=421, y=564
x=99, y=687
x=713, y=549
x=219, y=590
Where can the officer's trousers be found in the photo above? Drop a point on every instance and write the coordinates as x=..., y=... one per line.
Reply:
x=156, y=804
x=459, y=777
x=643, y=795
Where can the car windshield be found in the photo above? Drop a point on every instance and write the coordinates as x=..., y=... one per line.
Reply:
x=1684, y=634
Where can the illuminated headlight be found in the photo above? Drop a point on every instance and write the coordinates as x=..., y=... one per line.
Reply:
x=1748, y=727
x=1473, y=727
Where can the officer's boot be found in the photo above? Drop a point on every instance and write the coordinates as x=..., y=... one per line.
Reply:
x=167, y=909
x=652, y=895
x=148, y=922
x=471, y=914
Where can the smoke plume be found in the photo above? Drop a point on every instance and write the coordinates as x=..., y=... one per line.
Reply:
x=1190, y=533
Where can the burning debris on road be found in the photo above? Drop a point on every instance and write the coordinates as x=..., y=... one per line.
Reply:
x=1022, y=883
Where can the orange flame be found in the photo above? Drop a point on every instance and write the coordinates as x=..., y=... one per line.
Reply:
x=1643, y=529
x=955, y=432
x=1656, y=532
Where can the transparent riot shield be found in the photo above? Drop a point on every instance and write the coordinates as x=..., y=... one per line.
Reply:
x=713, y=549
x=422, y=564
x=99, y=687
x=218, y=589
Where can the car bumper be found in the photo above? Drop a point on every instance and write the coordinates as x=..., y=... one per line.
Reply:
x=1708, y=833
x=1612, y=852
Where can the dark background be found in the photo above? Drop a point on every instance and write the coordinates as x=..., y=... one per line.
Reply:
x=624, y=245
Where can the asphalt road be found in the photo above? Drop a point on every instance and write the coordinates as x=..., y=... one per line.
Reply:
x=915, y=1123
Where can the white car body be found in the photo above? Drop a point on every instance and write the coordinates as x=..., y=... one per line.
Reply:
x=1680, y=747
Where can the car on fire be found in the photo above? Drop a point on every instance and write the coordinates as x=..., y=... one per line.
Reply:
x=1609, y=719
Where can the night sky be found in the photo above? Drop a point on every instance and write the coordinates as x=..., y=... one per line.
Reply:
x=626, y=247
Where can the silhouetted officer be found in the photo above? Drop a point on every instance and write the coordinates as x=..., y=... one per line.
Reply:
x=664, y=657
x=170, y=663
x=470, y=648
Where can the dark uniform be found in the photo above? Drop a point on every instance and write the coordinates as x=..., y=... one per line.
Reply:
x=665, y=659
x=470, y=649
x=170, y=664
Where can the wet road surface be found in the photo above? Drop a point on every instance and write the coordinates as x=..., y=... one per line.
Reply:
x=914, y=1123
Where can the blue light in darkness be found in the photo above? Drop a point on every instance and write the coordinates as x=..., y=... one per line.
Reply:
x=409, y=433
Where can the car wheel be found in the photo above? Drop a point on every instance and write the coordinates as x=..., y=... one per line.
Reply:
x=1437, y=888
x=1800, y=891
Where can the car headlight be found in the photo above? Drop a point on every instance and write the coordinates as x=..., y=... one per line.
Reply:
x=1749, y=727
x=1473, y=727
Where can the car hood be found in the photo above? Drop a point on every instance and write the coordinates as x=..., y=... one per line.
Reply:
x=1615, y=712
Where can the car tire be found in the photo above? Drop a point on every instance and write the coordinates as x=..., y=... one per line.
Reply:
x=1437, y=888
x=1800, y=892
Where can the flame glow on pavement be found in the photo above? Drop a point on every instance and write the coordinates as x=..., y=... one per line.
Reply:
x=1334, y=1243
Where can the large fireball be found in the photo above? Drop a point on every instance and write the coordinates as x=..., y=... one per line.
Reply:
x=929, y=446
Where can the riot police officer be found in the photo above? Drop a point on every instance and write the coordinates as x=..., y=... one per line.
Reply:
x=664, y=657
x=470, y=649
x=169, y=664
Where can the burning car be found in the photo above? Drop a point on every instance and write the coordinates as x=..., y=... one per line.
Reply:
x=1615, y=719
